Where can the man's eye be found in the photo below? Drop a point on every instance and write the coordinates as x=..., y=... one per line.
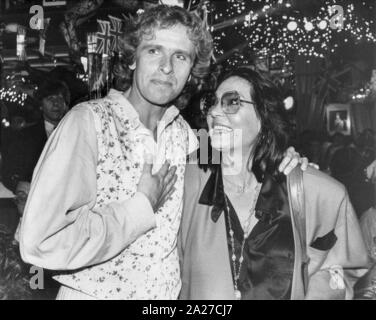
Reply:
x=153, y=51
x=181, y=57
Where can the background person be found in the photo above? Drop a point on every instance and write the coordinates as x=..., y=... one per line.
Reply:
x=23, y=153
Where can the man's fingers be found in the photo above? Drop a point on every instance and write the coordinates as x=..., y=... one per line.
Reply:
x=170, y=193
x=147, y=168
x=164, y=169
x=314, y=165
x=171, y=172
x=303, y=163
x=293, y=163
x=166, y=195
x=290, y=152
x=286, y=160
x=148, y=164
x=169, y=185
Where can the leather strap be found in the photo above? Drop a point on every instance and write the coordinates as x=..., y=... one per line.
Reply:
x=295, y=184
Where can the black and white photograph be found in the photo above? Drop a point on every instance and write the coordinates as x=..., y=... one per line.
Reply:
x=338, y=119
x=178, y=150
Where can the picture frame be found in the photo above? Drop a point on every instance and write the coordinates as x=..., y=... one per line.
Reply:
x=338, y=118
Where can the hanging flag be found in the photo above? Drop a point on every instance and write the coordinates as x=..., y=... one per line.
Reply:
x=104, y=37
x=21, y=43
x=2, y=28
x=115, y=32
x=91, y=43
x=92, y=64
x=43, y=35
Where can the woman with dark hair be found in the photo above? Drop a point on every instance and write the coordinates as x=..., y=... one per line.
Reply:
x=239, y=237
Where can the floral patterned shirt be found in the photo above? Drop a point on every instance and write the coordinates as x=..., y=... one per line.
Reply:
x=84, y=213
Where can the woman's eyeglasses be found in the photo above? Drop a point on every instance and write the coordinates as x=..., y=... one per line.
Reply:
x=230, y=102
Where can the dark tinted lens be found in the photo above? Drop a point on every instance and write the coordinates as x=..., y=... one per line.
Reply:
x=230, y=102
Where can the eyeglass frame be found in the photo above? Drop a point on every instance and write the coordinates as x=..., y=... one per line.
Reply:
x=206, y=110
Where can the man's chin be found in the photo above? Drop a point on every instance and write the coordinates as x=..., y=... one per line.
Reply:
x=162, y=101
x=161, y=96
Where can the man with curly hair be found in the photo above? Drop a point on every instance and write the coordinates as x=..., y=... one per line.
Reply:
x=106, y=196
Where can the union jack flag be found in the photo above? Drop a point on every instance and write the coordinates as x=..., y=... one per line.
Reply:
x=115, y=32
x=104, y=37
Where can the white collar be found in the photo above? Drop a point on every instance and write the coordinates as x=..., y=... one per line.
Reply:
x=49, y=127
x=129, y=111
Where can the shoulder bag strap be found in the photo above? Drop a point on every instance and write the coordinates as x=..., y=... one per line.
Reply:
x=295, y=184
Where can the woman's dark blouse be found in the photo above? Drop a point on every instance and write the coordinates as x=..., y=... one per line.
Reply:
x=266, y=272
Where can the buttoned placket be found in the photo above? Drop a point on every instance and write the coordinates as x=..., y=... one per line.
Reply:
x=159, y=151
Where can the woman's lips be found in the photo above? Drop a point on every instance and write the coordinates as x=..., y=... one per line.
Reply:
x=221, y=128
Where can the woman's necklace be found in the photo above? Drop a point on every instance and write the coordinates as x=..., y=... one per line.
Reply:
x=246, y=232
x=236, y=187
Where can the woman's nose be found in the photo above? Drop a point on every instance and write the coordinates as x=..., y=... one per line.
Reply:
x=216, y=110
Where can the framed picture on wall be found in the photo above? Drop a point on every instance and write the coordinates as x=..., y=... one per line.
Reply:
x=338, y=118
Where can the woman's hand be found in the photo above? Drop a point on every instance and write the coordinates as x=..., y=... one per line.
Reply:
x=292, y=159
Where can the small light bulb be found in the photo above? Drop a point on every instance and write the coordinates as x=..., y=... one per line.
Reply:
x=322, y=24
x=308, y=26
x=292, y=25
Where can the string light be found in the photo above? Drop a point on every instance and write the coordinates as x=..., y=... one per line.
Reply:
x=82, y=77
x=292, y=25
x=362, y=93
x=322, y=25
x=11, y=95
x=308, y=26
x=5, y=123
x=273, y=25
